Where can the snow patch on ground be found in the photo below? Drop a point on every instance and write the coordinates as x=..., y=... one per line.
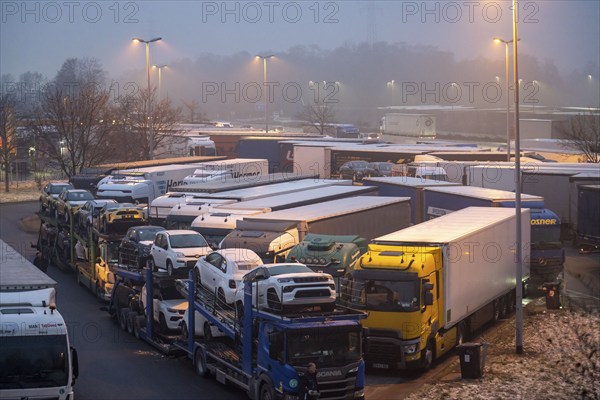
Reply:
x=561, y=360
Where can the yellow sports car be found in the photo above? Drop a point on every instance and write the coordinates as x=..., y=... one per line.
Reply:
x=119, y=216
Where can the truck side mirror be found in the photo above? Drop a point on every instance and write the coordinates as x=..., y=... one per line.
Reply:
x=427, y=294
x=428, y=299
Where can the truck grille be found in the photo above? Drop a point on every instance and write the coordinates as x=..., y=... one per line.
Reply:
x=343, y=389
x=382, y=352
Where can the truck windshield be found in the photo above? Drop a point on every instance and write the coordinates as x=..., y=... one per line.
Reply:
x=382, y=295
x=541, y=234
x=33, y=361
x=334, y=346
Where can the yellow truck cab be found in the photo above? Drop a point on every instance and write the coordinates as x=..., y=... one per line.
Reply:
x=428, y=286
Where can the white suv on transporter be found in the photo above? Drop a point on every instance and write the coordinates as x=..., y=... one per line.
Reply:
x=282, y=286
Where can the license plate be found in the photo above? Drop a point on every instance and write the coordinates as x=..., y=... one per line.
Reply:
x=379, y=365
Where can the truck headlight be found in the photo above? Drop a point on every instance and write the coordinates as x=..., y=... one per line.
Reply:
x=359, y=394
x=411, y=348
x=172, y=310
x=179, y=254
x=285, y=280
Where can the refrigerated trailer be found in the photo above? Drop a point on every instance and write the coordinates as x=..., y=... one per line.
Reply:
x=404, y=186
x=272, y=235
x=183, y=215
x=427, y=287
x=237, y=169
x=220, y=221
x=88, y=177
x=413, y=125
x=196, y=193
x=547, y=253
x=143, y=185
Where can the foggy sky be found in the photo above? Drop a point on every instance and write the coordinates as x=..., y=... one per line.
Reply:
x=40, y=36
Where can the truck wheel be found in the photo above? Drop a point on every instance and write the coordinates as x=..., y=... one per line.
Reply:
x=502, y=307
x=461, y=333
x=137, y=326
x=131, y=322
x=427, y=356
x=98, y=292
x=266, y=392
x=123, y=318
x=200, y=363
x=496, y=312
x=512, y=302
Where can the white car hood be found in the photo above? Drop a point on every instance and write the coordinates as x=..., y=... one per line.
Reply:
x=146, y=242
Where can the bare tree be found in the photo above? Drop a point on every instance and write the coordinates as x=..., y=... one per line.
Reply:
x=319, y=115
x=74, y=121
x=133, y=119
x=7, y=135
x=584, y=135
x=192, y=107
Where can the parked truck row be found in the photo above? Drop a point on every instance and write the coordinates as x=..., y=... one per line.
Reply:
x=280, y=275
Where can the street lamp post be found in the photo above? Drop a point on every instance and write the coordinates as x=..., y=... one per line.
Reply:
x=149, y=102
x=159, y=67
x=392, y=84
x=506, y=42
x=265, y=58
x=519, y=244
